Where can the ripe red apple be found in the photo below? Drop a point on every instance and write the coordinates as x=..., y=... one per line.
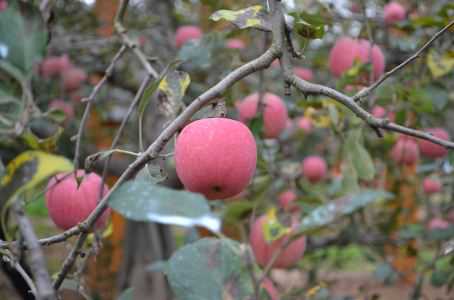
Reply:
x=394, y=12
x=215, y=157
x=438, y=223
x=305, y=124
x=303, y=73
x=287, y=201
x=346, y=50
x=314, y=168
x=3, y=5
x=187, y=33
x=433, y=150
x=268, y=285
x=55, y=65
x=275, y=114
x=405, y=151
x=73, y=78
x=70, y=201
x=378, y=111
x=235, y=44
x=66, y=107
x=263, y=251
x=431, y=186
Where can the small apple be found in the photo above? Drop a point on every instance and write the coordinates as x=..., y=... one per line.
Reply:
x=3, y=5
x=438, y=223
x=70, y=200
x=314, y=168
x=263, y=251
x=378, y=111
x=67, y=108
x=431, y=186
x=215, y=157
x=433, y=150
x=304, y=73
x=275, y=114
x=287, y=201
x=305, y=124
x=187, y=33
x=73, y=78
x=405, y=151
x=235, y=44
x=394, y=12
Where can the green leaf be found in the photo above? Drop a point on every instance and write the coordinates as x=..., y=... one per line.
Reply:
x=236, y=211
x=273, y=229
x=251, y=17
x=439, y=278
x=23, y=36
x=126, y=294
x=173, y=88
x=256, y=125
x=421, y=100
x=210, y=269
x=309, y=25
x=333, y=210
x=358, y=155
x=41, y=134
x=141, y=200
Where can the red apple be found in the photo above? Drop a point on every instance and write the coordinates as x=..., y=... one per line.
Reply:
x=215, y=157
x=314, y=168
x=431, y=186
x=70, y=201
x=303, y=73
x=405, y=151
x=438, y=223
x=378, y=111
x=263, y=251
x=55, y=65
x=268, y=285
x=346, y=50
x=187, y=33
x=305, y=124
x=235, y=44
x=67, y=108
x=275, y=114
x=394, y=12
x=3, y=5
x=433, y=150
x=287, y=201
x=73, y=78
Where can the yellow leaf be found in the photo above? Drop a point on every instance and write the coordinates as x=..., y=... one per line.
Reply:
x=273, y=229
x=440, y=65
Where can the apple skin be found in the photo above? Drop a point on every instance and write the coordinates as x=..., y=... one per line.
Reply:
x=68, y=204
x=394, y=12
x=405, y=151
x=187, y=33
x=304, y=73
x=314, y=168
x=433, y=150
x=287, y=201
x=378, y=111
x=305, y=124
x=431, y=186
x=263, y=251
x=3, y=5
x=215, y=157
x=346, y=50
x=67, y=108
x=438, y=223
x=268, y=285
x=73, y=78
x=235, y=44
x=275, y=115
x=55, y=65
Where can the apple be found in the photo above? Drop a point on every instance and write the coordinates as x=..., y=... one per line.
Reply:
x=263, y=251
x=431, y=186
x=187, y=33
x=314, y=168
x=287, y=201
x=378, y=111
x=394, y=12
x=235, y=44
x=3, y=5
x=275, y=114
x=55, y=65
x=67, y=108
x=346, y=50
x=438, y=223
x=303, y=73
x=405, y=151
x=268, y=285
x=73, y=78
x=433, y=150
x=305, y=124
x=70, y=200
x=215, y=157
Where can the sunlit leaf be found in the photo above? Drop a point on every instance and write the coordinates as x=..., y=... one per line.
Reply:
x=272, y=228
x=440, y=64
x=251, y=17
x=358, y=155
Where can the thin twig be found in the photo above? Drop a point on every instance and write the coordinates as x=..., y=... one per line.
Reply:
x=9, y=258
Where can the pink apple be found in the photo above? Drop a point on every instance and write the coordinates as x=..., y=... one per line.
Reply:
x=305, y=124
x=433, y=150
x=346, y=50
x=314, y=168
x=187, y=33
x=287, y=201
x=394, y=12
x=66, y=107
x=275, y=114
x=70, y=201
x=3, y=5
x=73, y=78
x=268, y=285
x=276, y=63
x=263, y=251
x=438, y=223
x=405, y=151
x=431, y=186
x=55, y=65
x=215, y=157
x=303, y=73
x=235, y=44
x=378, y=111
